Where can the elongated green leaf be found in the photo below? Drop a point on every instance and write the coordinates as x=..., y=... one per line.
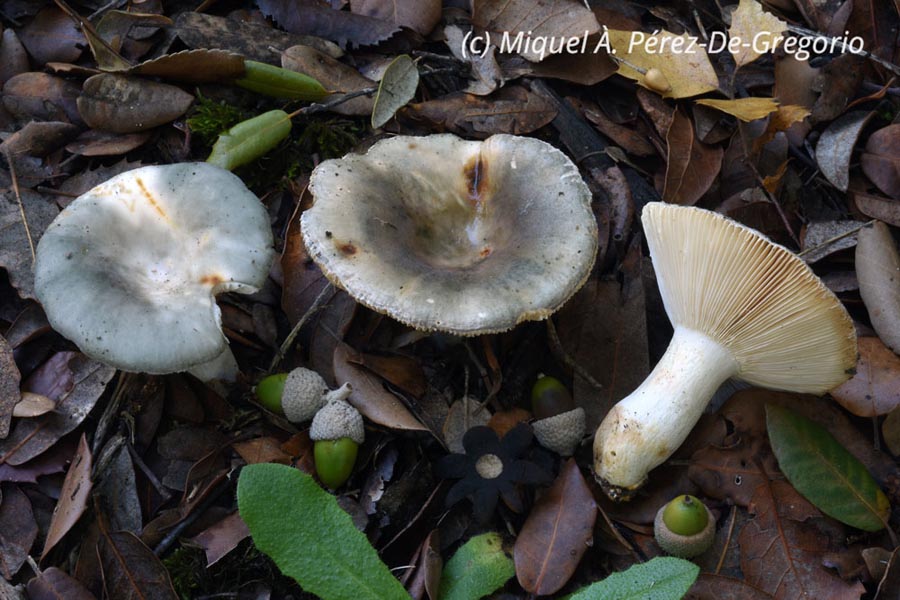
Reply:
x=478, y=568
x=397, y=88
x=302, y=528
x=663, y=578
x=250, y=139
x=276, y=82
x=824, y=472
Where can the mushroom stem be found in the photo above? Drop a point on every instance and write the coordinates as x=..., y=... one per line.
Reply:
x=646, y=427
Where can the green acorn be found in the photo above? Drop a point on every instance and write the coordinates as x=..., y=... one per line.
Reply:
x=337, y=430
x=560, y=425
x=296, y=395
x=684, y=527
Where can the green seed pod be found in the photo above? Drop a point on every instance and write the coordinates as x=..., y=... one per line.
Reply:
x=684, y=527
x=334, y=460
x=549, y=397
x=269, y=391
x=276, y=82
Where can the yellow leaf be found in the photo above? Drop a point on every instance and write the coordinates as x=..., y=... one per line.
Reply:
x=780, y=120
x=745, y=109
x=682, y=62
x=753, y=32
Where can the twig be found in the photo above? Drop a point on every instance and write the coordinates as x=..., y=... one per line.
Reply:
x=166, y=543
x=148, y=473
x=322, y=106
x=837, y=238
x=289, y=340
x=561, y=355
x=111, y=410
x=727, y=540
x=15, y=185
x=845, y=48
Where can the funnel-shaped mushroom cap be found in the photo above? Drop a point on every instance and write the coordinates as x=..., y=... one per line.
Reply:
x=783, y=327
x=454, y=235
x=129, y=270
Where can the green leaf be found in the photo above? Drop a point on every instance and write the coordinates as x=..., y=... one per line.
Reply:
x=824, y=472
x=663, y=578
x=302, y=528
x=480, y=567
x=398, y=86
x=276, y=82
x=250, y=139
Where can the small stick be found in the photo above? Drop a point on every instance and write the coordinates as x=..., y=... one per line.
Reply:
x=561, y=355
x=289, y=340
x=15, y=185
x=802, y=31
x=837, y=238
x=727, y=539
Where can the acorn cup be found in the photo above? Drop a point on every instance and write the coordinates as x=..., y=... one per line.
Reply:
x=337, y=431
x=297, y=395
x=560, y=425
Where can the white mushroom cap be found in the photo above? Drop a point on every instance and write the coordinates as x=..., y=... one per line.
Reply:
x=129, y=270
x=337, y=419
x=446, y=234
x=561, y=433
x=785, y=329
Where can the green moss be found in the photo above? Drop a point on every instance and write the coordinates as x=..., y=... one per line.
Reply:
x=185, y=566
x=210, y=118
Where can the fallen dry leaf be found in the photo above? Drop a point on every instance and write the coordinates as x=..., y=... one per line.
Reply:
x=221, y=538
x=611, y=344
x=39, y=138
x=53, y=584
x=18, y=528
x=881, y=160
x=13, y=58
x=124, y=104
x=250, y=40
x=819, y=238
x=535, y=20
x=464, y=414
x=202, y=65
x=52, y=37
x=512, y=109
x=334, y=76
x=878, y=272
x=130, y=569
x=718, y=587
x=73, y=497
x=891, y=431
x=745, y=109
x=41, y=97
x=731, y=472
x=687, y=73
x=782, y=119
x=31, y=437
x=9, y=386
x=556, y=533
x=835, y=147
x=781, y=552
x=876, y=207
x=262, y=450
x=32, y=405
x=875, y=388
x=17, y=242
x=369, y=395
x=116, y=493
x=692, y=166
x=419, y=15
x=307, y=17
x=755, y=29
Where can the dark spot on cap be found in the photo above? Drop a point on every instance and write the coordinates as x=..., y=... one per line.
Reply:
x=347, y=249
x=475, y=173
x=328, y=234
x=211, y=279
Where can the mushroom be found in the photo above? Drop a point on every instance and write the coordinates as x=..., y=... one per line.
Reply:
x=446, y=234
x=130, y=269
x=741, y=307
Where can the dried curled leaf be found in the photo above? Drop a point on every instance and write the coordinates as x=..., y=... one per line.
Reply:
x=125, y=104
x=745, y=109
x=397, y=88
x=878, y=271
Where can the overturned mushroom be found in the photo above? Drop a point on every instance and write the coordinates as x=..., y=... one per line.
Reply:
x=741, y=307
x=130, y=269
x=453, y=235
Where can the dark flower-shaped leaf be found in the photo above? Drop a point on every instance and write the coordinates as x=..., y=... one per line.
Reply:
x=490, y=468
